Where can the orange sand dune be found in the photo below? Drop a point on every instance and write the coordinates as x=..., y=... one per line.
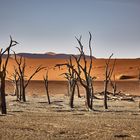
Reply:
x=124, y=69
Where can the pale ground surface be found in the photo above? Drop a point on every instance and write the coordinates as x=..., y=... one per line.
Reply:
x=36, y=120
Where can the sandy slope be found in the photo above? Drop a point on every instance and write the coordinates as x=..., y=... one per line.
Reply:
x=124, y=67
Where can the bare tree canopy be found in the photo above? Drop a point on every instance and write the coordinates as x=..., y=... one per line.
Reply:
x=108, y=73
x=46, y=82
x=3, y=67
x=83, y=69
x=20, y=71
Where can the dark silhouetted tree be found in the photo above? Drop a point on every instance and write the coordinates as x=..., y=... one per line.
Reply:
x=108, y=73
x=23, y=81
x=46, y=82
x=83, y=71
x=113, y=85
x=3, y=70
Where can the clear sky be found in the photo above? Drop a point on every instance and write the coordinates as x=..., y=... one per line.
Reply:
x=51, y=25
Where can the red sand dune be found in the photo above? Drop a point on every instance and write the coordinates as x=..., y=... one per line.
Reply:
x=124, y=69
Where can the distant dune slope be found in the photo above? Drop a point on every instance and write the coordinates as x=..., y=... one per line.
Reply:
x=50, y=55
x=125, y=69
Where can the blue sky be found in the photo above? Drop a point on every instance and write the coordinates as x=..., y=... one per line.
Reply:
x=51, y=25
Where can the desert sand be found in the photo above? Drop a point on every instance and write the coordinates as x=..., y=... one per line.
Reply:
x=124, y=68
x=37, y=120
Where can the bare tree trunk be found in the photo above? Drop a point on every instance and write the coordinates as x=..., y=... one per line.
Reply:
x=108, y=74
x=3, y=99
x=92, y=95
x=69, y=88
x=91, y=101
x=78, y=91
x=22, y=91
x=105, y=94
x=17, y=90
x=113, y=85
x=72, y=93
x=23, y=94
x=114, y=89
x=46, y=82
x=47, y=90
x=88, y=97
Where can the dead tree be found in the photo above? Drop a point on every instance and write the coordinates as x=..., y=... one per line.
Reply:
x=72, y=77
x=108, y=74
x=68, y=84
x=72, y=92
x=68, y=77
x=72, y=83
x=46, y=82
x=15, y=81
x=113, y=85
x=3, y=67
x=78, y=90
x=23, y=82
x=85, y=70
